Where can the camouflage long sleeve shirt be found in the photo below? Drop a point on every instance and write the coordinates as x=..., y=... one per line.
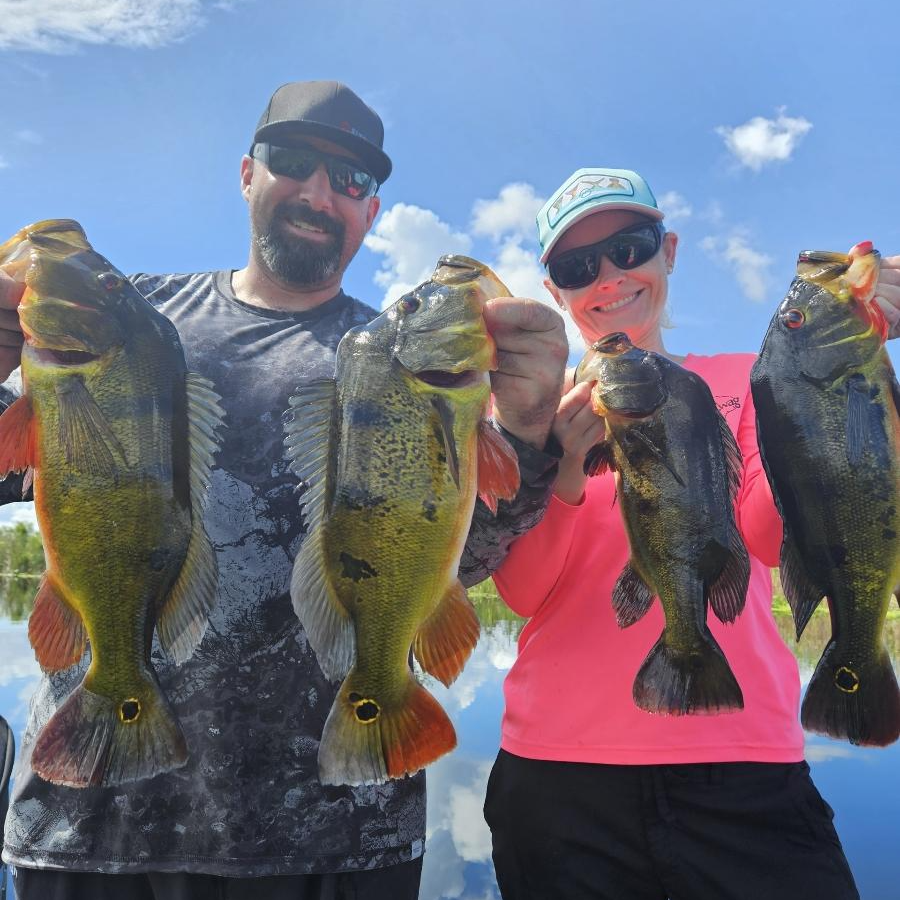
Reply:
x=251, y=700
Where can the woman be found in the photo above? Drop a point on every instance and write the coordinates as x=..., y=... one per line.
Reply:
x=591, y=797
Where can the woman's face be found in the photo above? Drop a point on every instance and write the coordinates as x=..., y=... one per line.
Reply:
x=629, y=300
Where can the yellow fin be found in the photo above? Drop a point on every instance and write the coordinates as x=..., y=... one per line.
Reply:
x=446, y=639
x=84, y=433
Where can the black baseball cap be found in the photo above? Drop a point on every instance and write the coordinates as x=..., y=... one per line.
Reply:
x=330, y=110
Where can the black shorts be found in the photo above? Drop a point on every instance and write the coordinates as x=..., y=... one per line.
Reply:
x=723, y=831
x=400, y=882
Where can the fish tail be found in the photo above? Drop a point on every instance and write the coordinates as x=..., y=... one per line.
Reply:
x=367, y=741
x=858, y=702
x=96, y=741
x=681, y=682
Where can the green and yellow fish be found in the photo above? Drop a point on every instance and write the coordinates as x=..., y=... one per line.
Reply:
x=827, y=406
x=393, y=451
x=678, y=470
x=119, y=438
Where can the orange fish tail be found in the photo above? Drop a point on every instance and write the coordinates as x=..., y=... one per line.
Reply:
x=367, y=742
x=94, y=741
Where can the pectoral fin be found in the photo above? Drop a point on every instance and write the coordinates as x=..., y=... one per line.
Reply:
x=446, y=639
x=858, y=407
x=311, y=429
x=599, y=459
x=84, y=433
x=18, y=436
x=445, y=417
x=498, y=467
x=631, y=597
x=55, y=629
x=663, y=459
x=184, y=616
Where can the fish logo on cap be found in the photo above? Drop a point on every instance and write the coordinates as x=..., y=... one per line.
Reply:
x=585, y=188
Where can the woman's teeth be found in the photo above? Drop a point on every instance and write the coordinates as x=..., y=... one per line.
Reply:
x=610, y=307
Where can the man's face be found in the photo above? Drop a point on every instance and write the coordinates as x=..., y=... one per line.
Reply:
x=304, y=232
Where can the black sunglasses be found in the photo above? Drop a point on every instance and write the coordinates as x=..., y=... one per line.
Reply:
x=345, y=176
x=626, y=249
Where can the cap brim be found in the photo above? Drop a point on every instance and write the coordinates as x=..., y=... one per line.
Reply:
x=375, y=159
x=650, y=212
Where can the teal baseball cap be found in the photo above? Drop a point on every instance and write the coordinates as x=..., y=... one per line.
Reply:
x=588, y=191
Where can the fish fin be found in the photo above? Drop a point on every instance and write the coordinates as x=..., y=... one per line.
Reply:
x=18, y=437
x=445, y=417
x=728, y=593
x=446, y=639
x=84, y=433
x=631, y=597
x=55, y=629
x=858, y=405
x=498, y=467
x=689, y=682
x=184, y=616
x=734, y=459
x=311, y=426
x=599, y=458
x=88, y=743
x=855, y=701
x=802, y=595
x=663, y=459
x=365, y=742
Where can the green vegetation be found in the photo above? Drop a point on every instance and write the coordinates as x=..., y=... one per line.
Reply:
x=21, y=565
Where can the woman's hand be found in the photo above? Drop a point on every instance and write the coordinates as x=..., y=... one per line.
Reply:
x=887, y=293
x=577, y=428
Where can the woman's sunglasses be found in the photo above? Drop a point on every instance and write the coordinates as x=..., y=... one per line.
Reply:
x=345, y=176
x=626, y=249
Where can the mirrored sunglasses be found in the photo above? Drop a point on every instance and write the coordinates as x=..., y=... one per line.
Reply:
x=626, y=249
x=344, y=175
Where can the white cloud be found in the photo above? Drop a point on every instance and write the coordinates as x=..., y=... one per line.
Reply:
x=10, y=513
x=54, y=26
x=412, y=239
x=750, y=267
x=511, y=213
x=761, y=141
x=675, y=206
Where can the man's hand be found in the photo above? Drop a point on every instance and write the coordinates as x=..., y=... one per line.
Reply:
x=531, y=356
x=887, y=293
x=11, y=337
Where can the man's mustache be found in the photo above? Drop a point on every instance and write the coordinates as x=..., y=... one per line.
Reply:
x=298, y=212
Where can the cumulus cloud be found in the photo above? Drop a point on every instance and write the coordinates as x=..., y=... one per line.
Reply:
x=412, y=239
x=761, y=141
x=511, y=213
x=750, y=267
x=54, y=26
x=675, y=206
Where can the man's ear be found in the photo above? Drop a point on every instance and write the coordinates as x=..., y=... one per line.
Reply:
x=372, y=211
x=246, y=177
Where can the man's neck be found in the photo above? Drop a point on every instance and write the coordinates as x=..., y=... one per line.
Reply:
x=257, y=287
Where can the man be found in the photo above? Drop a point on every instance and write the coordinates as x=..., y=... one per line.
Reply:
x=247, y=816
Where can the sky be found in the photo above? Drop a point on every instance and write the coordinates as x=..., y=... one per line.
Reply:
x=764, y=129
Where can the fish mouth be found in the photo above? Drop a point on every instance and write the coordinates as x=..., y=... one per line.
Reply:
x=448, y=380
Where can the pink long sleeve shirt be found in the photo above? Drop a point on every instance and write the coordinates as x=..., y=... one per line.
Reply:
x=568, y=695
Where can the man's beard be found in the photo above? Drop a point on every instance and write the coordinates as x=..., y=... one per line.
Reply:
x=294, y=260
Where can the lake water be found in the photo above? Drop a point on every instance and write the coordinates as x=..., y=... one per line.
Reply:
x=862, y=785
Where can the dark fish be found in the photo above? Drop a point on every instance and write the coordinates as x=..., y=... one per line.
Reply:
x=677, y=470
x=827, y=419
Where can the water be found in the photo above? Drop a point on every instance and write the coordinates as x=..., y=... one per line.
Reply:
x=862, y=785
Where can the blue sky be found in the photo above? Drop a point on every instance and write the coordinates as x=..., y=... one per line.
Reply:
x=764, y=128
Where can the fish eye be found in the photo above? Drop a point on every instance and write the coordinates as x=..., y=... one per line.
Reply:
x=109, y=280
x=793, y=318
x=410, y=303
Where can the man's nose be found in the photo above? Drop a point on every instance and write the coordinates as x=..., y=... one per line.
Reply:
x=316, y=190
